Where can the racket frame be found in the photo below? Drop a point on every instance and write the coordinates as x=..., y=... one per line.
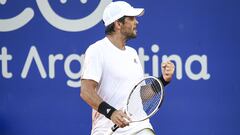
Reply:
x=115, y=127
x=159, y=103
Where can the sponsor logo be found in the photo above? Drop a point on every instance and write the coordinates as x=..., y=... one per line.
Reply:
x=57, y=21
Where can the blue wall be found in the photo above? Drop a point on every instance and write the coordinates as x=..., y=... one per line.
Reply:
x=41, y=58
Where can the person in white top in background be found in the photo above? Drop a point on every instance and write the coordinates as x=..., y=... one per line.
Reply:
x=110, y=70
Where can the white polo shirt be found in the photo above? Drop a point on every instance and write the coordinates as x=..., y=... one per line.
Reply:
x=116, y=71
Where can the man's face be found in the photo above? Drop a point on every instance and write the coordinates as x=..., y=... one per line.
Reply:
x=129, y=27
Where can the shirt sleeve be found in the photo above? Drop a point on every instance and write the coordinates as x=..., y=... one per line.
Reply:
x=92, y=67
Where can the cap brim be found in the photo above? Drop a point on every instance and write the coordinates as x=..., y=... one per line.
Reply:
x=135, y=12
x=131, y=12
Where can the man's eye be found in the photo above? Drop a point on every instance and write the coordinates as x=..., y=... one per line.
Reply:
x=131, y=17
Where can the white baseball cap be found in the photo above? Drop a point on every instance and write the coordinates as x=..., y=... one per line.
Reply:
x=116, y=10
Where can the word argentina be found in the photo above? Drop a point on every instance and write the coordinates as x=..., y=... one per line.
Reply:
x=34, y=59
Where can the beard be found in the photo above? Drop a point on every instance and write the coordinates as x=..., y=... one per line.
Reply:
x=130, y=34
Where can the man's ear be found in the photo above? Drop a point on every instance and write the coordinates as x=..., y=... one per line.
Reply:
x=117, y=25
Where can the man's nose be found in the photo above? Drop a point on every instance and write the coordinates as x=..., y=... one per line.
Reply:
x=136, y=21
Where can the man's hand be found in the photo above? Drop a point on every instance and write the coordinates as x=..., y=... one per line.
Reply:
x=120, y=118
x=167, y=70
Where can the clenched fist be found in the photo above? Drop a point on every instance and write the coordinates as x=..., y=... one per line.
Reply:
x=167, y=70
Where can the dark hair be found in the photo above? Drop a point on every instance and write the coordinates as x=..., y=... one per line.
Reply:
x=110, y=28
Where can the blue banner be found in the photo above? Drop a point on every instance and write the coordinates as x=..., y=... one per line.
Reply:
x=43, y=43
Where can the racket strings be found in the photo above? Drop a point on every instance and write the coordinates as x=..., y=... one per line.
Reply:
x=150, y=95
x=145, y=99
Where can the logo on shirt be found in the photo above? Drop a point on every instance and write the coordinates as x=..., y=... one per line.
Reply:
x=135, y=61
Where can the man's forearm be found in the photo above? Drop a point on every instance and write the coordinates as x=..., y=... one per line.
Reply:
x=90, y=96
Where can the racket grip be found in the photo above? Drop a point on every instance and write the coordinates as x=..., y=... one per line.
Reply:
x=112, y=130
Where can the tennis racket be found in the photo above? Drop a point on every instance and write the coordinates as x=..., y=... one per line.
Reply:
x=144, y=100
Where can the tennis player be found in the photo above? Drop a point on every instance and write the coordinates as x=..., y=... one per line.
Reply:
x=111, y=68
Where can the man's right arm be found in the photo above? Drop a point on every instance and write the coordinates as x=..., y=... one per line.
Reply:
x=89, y=95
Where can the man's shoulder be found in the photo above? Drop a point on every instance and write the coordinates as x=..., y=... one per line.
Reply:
x=98, y=44
x=131, y=49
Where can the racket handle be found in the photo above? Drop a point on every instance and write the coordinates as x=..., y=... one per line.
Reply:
x=112, y=130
